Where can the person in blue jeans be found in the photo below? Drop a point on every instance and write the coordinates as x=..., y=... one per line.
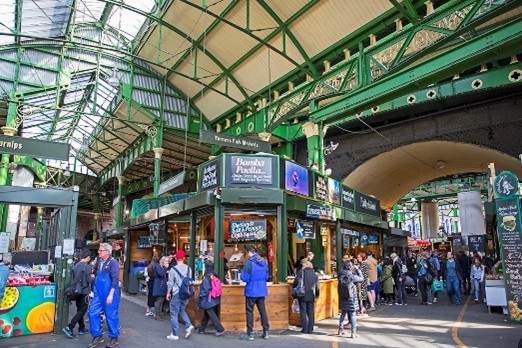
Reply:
x=477, y=276
x=349, y=276
x=177, y=305
x=106, y=297
x=255, y=275
x=453, y=276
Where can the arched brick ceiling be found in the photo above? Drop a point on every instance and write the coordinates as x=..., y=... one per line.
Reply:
x=391, y=175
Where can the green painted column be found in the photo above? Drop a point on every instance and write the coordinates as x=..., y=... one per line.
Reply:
x=339, y=246
x=316, y=246
x=282, y=244
x=315, y=146
x=119, y=211
x=9, y=129
x=192, y=241
x=158, y=151
x=219, y=244
x=39, y=227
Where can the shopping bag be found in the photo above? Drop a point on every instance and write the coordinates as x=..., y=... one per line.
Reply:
x=437, y=286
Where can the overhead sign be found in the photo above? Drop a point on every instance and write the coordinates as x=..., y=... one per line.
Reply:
x=214, y=138
x=320, y=212
x=209, y=175
x=251, y=171
x=34, y=148
x=171, y=183
x=305, y=229
x=506, y=185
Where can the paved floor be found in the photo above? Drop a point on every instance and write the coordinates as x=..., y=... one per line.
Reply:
x=437, y=325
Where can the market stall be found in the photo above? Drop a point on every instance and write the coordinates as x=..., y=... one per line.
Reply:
x=29, y=302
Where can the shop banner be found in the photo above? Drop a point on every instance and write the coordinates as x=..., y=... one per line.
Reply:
x=209, y=175
x=346, y=241
x=349, y=232
x=366, y=204
x=27, y=310
x=477, y=243
x=364, y=239
x=321, y=188
x=373, y=239
x=320, y=212
x=347, y=197
x=251, y=171
x=334, y=191
x=305, y=229
x=243, y=230
x=243, y=143
x=508, y=222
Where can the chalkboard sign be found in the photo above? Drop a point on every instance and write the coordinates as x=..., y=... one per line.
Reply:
x=508, y=220
x=366, y=204
x=209, y=175
x=347, y=198
x=251, y=171
x=30, y=258
x=242, y=230
x=476, y=243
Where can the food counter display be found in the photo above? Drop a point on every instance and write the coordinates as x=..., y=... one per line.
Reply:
x=326, y=306
x=29, y=308
x=232, y=308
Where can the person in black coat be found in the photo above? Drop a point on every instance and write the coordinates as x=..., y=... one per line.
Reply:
x=349, y=276
x=307, y=303
x=209, y=304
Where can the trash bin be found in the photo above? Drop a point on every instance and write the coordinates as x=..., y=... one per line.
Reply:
x=133, y=284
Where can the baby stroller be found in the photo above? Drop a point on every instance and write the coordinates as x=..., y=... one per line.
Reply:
x=410, y=285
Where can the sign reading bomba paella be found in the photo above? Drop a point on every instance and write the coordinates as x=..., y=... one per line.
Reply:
x=209, y=175
x=508, y=222
x=251, y=171
x=242, y=230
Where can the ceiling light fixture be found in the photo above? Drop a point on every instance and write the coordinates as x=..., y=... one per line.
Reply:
x=114, y=80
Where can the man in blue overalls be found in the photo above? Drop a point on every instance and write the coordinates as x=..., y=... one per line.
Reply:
x=106, y=297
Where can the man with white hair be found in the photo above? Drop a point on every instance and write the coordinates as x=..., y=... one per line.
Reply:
x=106, y=297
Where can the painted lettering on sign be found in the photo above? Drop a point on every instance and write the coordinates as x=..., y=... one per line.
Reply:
x=11, y=145
x=248, y=229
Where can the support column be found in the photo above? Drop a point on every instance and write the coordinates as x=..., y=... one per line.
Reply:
x=119, y=212
x=158, y=151
x=314, y=138
x=282, y=244
x=38, y=228
x=219, y=216
x=339, y=246
x=95, y=226
x=10, y=130
x=192, y=241
x=456, y=215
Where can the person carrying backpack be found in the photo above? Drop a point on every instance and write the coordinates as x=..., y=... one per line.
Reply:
x=255, y=275
x=349, y=276
x=208, y=301
x=177, y=304
x=307, y=302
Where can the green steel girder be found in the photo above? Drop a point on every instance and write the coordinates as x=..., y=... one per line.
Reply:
x=141, y=145
x=447, y=187
x=343, y=80
x=407, y=10
x=481, y=49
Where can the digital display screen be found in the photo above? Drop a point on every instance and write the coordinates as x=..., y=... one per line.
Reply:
x=296, y=178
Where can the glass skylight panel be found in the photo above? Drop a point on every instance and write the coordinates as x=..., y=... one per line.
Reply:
x=88, y=11
x=7, y=21
x=129, y=22
x=45, y=18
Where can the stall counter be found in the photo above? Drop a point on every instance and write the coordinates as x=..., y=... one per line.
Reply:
x=326, y=306
x=27, y=310
x=232, y=308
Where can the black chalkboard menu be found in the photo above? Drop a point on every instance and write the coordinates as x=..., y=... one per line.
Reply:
x=251, y=171
x=209, y=175
x=243, y=230
x=476, y=243
x=508, y=220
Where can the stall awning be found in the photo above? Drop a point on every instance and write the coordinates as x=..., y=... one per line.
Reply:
x=418, y=242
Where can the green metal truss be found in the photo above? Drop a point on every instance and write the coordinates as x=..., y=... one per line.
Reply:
x=391, y=68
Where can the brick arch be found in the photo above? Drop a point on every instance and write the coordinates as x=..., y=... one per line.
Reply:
x=493, y=129
x=392, y=174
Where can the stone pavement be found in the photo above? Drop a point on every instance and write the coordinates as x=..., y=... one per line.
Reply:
x=413, y=325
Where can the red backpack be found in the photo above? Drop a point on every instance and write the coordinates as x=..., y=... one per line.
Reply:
x=216, y=287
